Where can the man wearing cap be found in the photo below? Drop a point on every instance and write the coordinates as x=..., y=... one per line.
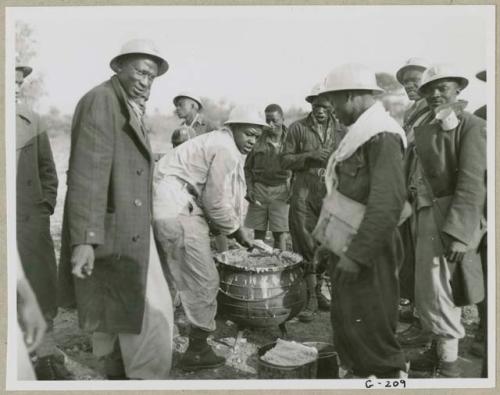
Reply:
x=188, y=107
x=366, y=169
x=267, y=183
x=308, y=144
x=36, y=200
x=109, y=262
x=448, y=189
x=410, y=76
x=203, y=182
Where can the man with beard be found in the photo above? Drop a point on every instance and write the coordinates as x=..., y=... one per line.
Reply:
x=366, y=170
x=447, y=180
x=307, y=147
x=109, y=262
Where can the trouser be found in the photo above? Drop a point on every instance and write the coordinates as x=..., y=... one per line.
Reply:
x=186, y=240
x=433, y=293
x=148, y=355
x=364, y=317
x=407, y=270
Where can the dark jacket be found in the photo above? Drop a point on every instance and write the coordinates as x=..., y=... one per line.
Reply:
x=454, y=163
x=108, y=205
x=36, y=193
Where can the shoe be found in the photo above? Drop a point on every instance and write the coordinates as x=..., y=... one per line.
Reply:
x=406, y=315
x=199, y=355
x=52, y=368
x=307, y=315
x=426, y=361
x=414, y=336
x=323, y=302
x=448, y=369
x=118, y=377
x=478, y=347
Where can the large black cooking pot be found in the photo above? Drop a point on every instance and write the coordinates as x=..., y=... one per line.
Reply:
x=261, y=297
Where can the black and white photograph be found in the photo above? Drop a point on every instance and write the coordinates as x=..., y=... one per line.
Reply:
x=250, y=197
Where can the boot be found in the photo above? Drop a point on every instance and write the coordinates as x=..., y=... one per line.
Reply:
x=478, y=346
x=414, y=336
x=307, y=315
x=448, y=369
x=323, y=302
x=199, y=354
x=52, y=367
x=426, y=361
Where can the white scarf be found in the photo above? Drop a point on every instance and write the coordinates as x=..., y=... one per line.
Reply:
x=373, y=121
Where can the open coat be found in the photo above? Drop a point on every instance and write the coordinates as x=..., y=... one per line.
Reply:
x=36, y=193
x=108, y=205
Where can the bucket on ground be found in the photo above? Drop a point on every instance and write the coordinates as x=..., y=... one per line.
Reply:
x=328, y=365
x=266, y=370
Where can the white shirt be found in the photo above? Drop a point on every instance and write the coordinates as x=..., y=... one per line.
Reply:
x=212, y=164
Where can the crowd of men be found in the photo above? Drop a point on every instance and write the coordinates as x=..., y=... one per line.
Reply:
x=137, y=226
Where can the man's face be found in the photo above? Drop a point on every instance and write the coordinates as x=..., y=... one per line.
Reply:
x=274, y=120
x=19, y=83
x=441, y=92
x=342, y=106
x=245, y=136
x=411, y=81
x=321, y=108
x=185, y=106
x=137, y=75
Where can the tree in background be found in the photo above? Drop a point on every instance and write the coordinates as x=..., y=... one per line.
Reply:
x=26, y=51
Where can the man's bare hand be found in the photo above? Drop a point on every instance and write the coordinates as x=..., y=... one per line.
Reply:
x=29, y=315
x=82, y=260
x=456, y=251
x=322, y=154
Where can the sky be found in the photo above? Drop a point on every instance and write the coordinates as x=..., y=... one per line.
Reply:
x=252, y=55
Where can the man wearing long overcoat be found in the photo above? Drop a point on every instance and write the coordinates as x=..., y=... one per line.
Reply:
x=109, y=262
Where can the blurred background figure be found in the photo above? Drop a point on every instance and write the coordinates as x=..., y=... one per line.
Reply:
x=36, y=200
x=268, y=185
x=188, y=108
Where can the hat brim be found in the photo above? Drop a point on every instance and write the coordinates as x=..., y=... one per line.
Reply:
x=462, y=82
x=187, y=97
x=374, y=89
x=243, y=122
x=311, y=98
x=401, y=71
x=162, y=63
x=25, y=69
x=481, y=75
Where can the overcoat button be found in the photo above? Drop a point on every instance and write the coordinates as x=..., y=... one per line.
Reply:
x=138, y=202
x=140, y=171
x=91, y=234
x=136, y=238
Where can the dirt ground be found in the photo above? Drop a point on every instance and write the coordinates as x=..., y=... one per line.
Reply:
x=241, y=358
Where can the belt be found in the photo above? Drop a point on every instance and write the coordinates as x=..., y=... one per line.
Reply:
x=189, y=188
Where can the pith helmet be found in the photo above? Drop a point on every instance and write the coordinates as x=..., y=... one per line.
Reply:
x=25, y=69
x=442, y=71
x=412, y=63
x=350, y=77
x=189, y=96
x=481, y=75
x=314, y=92
x=140, y=46
x=247, y=115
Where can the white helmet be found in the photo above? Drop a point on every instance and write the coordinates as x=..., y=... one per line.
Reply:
x=247, y=115
x=189, y=96
x=412, y=63
x=350, y=77
x=314, y=92
x=140, y=46
x=442, y=71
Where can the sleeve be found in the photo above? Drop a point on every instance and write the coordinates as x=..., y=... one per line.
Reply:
x=217, y=194
x=47, y=169
x=467, y=205
x=90, y=169
x=290, y=158
x=385, y=200
x=249, y=163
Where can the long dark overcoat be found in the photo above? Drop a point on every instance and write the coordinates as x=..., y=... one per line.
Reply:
x=36, y=193
x=454, y=163
x=108, y=205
